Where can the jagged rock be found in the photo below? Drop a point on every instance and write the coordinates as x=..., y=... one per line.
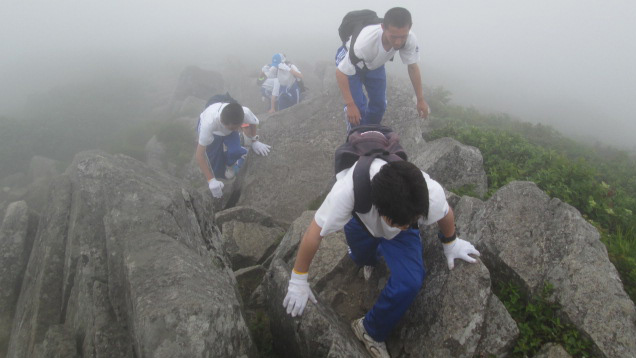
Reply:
x=453, y=165
x=318, y=332
x=41, y=167
x=248, y=244
x=249, y=278
x=500, y=332
x=16, y=239
x=526, y=237
x=294, y=173
x=58, y=343
x=129, y=261
x=155, y=153
x=434, y=325
x=552, y=350
x=303, y=139
x=247, y=214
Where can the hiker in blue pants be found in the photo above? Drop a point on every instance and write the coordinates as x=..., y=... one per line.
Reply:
x=286, y=91
x=401, y=195
x=219, y=152
x=373, y=46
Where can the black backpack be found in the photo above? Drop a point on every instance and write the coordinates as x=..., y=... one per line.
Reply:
x=352, y=24
x=365, y=143
x=225, y=98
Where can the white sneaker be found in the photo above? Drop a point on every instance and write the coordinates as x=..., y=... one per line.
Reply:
x=230, y=172
x=367, y=271
x=375, y=348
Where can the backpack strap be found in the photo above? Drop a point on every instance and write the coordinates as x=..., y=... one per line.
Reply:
x=371, y=145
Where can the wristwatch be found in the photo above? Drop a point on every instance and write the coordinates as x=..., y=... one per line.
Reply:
x=446, y=240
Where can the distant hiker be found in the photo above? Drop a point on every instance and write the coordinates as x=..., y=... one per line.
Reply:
x=219, y=126
x=286, y=92
x=378, y=200
x=376, y=42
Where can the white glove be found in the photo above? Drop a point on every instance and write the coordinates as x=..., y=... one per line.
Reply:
x=297, y=294
x=260, y=148
x=459, y=249
x=216, y=187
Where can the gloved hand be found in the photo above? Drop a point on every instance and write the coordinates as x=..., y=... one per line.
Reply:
x=260, y=148
x=216, y=187
x=459, y=249
x=298, y=292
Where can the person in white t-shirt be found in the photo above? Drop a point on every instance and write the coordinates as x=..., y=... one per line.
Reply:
x=374, y=46
x=219, y=152
x=401, y=194
x=269, y=81
x=286, y=92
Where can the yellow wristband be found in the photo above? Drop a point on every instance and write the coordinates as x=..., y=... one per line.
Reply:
x=299, y=273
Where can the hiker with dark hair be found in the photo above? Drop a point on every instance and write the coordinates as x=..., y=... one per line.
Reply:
x=368, y=43
x=378, y=199
x=218, y=128
x=286, y=90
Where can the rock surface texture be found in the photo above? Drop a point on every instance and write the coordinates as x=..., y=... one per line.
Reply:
x=127, y=262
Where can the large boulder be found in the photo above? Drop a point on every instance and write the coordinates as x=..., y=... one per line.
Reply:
x=16, y=239
x=297, y=172
x=528, y=238
x=319, y=332
x=454, y=165
x=129, y=261
x=435, y=326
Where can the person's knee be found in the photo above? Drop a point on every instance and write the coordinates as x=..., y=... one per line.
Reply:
x=411, y=284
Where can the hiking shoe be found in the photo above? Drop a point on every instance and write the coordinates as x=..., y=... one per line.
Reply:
x=367, y=272
x=376, y=349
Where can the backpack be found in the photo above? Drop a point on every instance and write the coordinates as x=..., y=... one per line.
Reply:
x=364, y=144
x=351, y=25
x=225, y=98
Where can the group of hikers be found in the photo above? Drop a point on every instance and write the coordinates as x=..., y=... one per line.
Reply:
x=281, y=83
x=379, y=198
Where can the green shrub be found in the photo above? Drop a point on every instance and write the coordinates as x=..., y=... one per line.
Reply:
x=539, y=322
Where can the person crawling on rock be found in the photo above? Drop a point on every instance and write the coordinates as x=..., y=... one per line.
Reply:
x=380, y=219
x=361, y=58
x=286, y=90
x=219, y=152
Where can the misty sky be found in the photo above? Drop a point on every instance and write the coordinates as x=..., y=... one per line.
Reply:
x=563, y=62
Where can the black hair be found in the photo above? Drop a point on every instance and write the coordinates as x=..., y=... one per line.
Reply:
x=397, y=17
x=232, y=113
x=400, y=193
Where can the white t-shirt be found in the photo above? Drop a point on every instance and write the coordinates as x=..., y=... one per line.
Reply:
x=336, y=210
x=285, y=77
x=368, y=48
x=211, y=123
x=269, y=71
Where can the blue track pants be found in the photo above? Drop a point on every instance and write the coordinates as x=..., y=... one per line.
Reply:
x=403, y=256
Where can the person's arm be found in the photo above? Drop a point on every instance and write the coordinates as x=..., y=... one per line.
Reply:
x=203, y=162
x=454, y=247
x=447, y=224
x=298, y=291
x=215, y=186
x=308, y=247
x=416, y=81
x=353, y=113
x=294, y=71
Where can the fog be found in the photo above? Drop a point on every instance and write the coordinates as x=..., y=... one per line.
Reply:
x=566, y=63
